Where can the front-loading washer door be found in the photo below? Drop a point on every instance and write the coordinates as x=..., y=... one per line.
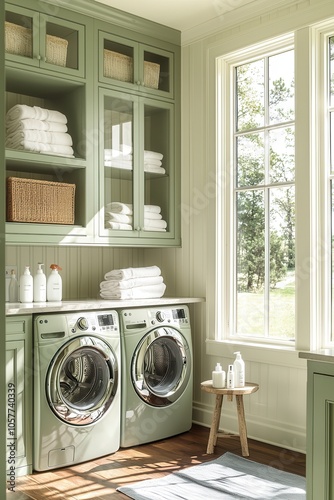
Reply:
x=161, y=366
x=82, y=380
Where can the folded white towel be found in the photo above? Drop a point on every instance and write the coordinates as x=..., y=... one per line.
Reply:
x=111, y=154
x=162, y=224
x=132, y=272
x=139, y=292
x=152, y=155
x=40, y=147
x=114, y=217
x=119, y=207
x=154, y=170
x=33, y=124
x=59, y=138
x=117, y=225
x=152, y=208
x=115, y=285
x=158, y=229
x=119, y=163
x=153, y=162
x=22, y=111
x=152, y=216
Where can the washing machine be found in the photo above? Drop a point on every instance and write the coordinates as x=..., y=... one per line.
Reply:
x=77, y=377
x=157, y=378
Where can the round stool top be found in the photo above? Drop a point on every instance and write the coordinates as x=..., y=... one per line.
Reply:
x=237, y=391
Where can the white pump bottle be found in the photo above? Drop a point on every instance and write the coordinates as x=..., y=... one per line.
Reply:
x=239, y=370
x=54, y=287
x=218, y=377
x=26, y=286
x=40, y=285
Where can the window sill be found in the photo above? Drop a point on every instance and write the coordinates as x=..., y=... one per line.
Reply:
x=268, y=354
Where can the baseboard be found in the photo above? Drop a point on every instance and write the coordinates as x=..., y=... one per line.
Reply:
x=265, y=430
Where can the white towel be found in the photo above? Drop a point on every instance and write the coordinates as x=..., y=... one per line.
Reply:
x=40, y=147
x=119, y=163
x=153, y=162
x=22, y=111
x=161, y=224
x=111, y=154
x=33, y=124
x=152, y=208
x=117, y=225
x=139, y=292
x=132, y=272
x=152, y=155
x=114, y=285
x=154, y=170
x=114, y=217
x=145, y=228
x=152, y=216
x=59, y=138
x=119, y=207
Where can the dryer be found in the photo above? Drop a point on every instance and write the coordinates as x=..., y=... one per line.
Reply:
x=77, y=379
x=157, y=378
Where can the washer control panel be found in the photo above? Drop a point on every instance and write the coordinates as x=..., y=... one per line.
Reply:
x=55, y=326
x=142, y=318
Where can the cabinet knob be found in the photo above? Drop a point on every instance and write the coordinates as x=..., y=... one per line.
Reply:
x=138, y=82
x=138, y=228
x=39, y=57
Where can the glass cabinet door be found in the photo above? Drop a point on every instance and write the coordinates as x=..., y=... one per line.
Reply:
x=62, y=45
x=117, y=158
x=158, y=168
x=44, y=41
x=22, y=35
x=135, y=66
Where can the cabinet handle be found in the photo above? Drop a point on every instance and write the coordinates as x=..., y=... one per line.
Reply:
x=39, y=57
x=138, y=82
x=138, y=228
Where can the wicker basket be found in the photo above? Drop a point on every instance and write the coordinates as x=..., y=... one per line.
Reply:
x=56, y=50
x=118, y=66
x=39, y=201
x=18, y=40
x=151, y=74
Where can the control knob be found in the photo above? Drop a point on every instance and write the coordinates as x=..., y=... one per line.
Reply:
x=161, y=316
x=82, y=323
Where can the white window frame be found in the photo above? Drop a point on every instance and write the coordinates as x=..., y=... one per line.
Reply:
x=309, y=279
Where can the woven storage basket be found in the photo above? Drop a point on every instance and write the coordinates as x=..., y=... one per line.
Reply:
x=18, y=39
x=39, y=201
x=56, y=50
x=118, y=66
x=151, y=74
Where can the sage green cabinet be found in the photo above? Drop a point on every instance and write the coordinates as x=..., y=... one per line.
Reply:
x=320, y=431
x=44, y=41
x=135, y=66
x=19, y=399
x=90, y=92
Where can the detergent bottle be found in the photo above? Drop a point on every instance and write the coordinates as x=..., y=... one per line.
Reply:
x=54, y=287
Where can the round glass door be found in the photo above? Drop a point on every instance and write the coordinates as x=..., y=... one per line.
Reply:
x=82, y=380
x=161, y=366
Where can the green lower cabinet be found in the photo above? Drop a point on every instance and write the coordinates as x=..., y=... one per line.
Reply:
x=320, y=431
x=19, y=381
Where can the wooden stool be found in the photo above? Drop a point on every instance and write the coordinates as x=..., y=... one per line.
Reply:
x=238, y=392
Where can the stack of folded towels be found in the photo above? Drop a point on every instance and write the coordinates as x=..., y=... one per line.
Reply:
x=133, y=283
x=118, y=215
x=32, y=128
x=122, y=158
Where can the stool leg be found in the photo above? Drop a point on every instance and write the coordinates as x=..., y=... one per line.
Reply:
x=215, y=424
x=242, y=425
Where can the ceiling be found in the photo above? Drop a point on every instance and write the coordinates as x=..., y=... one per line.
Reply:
x=178, y=14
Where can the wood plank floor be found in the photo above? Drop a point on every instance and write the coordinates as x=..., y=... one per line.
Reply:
x=99, y=478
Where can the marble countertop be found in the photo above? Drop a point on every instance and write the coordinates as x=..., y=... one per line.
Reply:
x=319, y=355
x=13, y=309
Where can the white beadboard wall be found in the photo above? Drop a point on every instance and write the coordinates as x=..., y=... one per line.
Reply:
x=277, y=412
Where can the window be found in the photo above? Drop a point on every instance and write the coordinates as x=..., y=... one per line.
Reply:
x=260, y=198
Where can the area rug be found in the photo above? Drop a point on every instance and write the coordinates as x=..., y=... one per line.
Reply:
x=228, y=477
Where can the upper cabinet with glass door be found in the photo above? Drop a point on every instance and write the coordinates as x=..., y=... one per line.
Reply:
x=135, y=66
x=44, y=41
